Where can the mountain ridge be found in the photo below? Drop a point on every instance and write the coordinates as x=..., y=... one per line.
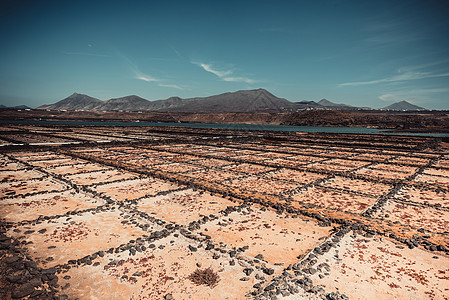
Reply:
x=327, y=103
x=239, y=101
x=403, y=105
x=257, y=100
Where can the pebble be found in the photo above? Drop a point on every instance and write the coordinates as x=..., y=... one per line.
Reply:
x=248, y=271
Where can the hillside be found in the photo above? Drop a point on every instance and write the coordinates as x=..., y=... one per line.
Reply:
x=403, y=105
x=74, y=102
x=258, y=100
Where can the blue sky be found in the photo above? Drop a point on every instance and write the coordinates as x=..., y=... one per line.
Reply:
x=363, y=53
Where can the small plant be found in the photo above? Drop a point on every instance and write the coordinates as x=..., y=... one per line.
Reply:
x=205, y=276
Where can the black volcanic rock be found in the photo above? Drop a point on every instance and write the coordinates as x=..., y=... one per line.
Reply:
x=403, y=106
x=74, y=102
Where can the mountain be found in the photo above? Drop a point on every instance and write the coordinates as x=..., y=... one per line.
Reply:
x=327, y=103
x=128, y=103
x=403, y=105
x=15, y=107
x=74, y=102
x=20, y=107
x=240, y=101
x=259, y=100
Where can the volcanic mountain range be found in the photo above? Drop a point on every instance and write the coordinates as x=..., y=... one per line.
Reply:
x=259, y=100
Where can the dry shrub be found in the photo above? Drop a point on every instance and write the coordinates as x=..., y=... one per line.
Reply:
x=205, y=276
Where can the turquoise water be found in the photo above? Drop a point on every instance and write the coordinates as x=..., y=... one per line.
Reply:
x=324, y=129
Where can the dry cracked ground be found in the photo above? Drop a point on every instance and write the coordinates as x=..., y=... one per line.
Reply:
x=184, y=213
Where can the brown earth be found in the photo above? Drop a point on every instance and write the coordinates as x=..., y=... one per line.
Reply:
x=431, y=121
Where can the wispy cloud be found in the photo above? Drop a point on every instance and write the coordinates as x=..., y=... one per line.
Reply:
x=85, y=54
x=144, y=77
x=387, y=31
x=400, y=77
x=239, y=79
x=176, y=52
x=173, y=86
x=419, y=96
x=137, y=74
x=224, y=74
x=210, y=69
x=439, y=63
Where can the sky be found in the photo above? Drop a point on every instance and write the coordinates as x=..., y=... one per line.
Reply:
x=362, y=53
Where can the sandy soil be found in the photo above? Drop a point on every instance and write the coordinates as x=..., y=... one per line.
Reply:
x=20, y=175
x=387, y=174
x=134, y=188
x=7, y=165
x=296, y=176
x=211, y=162
x=396, y=168
x=75, y=169
x=214, y=175
x=183, y=207
x=357, y=185
x=262, y=185
x=424, y=196
x=442, y=163
x=31, y=207
x=248, y=168
x=347, y=162
x=334, y=199
x=30, y=186
x=262, y=222
x=432, y=179
x=277, y=238
x=182, y=158
x=77, y=236
x=160, y=271
x=56, y=162
x=177, y=167
x=251, y=158
x=373, y=157
x=377, y=269
x=99, y=177
x=429, y=218
x=331, y=167
x=437, y=172
x=410, y=160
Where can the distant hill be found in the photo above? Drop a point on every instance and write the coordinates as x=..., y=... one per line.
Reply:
x=128, y=103
x=259, y=100
x=20, y=107
x=240, y=101
x=15, y=107
x=327, y=103
x=403, y=105
x=74, y=102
